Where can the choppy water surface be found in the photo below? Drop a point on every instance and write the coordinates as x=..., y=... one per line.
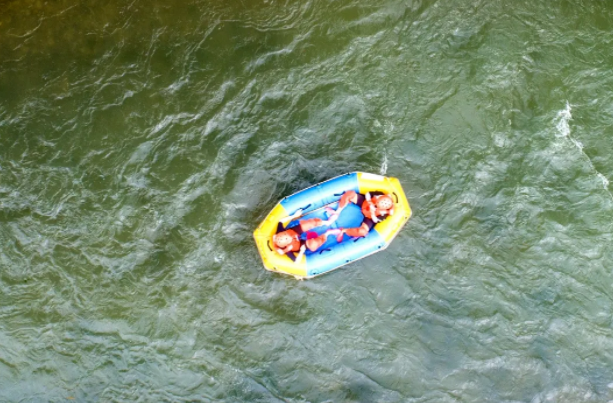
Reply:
x=141, y=142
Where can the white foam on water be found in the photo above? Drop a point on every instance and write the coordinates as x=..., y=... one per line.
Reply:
x=387, y=129
x=563, y=127
x=605, y=181
x=563, y=117
x=383, y=169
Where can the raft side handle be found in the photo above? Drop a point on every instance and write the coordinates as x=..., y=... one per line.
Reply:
x=303, y=208
x=325, y=250
x=397, y=199
x=268, y=244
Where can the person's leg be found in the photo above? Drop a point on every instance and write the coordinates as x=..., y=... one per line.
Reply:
x=336, y=232
x=307, y=225
x=357, y=232
x=360, y=199
x=349, y=196
x=315, y=243
x=346, y=198
x=360, y=231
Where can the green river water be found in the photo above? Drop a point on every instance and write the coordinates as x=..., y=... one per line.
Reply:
x=141, y=143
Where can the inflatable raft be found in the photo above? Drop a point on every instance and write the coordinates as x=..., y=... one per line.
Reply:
x=312, y=203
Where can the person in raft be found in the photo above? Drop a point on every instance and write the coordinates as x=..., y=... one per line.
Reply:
x=288, y=241
x=375, y=208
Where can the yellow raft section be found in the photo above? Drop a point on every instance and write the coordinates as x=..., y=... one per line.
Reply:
x=367, y=182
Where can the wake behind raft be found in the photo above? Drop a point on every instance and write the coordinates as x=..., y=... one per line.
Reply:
x=336, y=247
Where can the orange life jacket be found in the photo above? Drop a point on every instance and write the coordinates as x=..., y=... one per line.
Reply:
x=294, y=246
x=373, y=201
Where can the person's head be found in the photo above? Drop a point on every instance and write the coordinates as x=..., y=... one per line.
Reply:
x=282, y=239
x=384, y=202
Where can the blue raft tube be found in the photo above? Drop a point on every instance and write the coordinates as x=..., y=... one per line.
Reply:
x=311, y=203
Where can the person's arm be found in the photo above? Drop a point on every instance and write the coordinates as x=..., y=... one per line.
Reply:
x=373, y=212
x=391, y=211
x=289, y=219
x=302, y=249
